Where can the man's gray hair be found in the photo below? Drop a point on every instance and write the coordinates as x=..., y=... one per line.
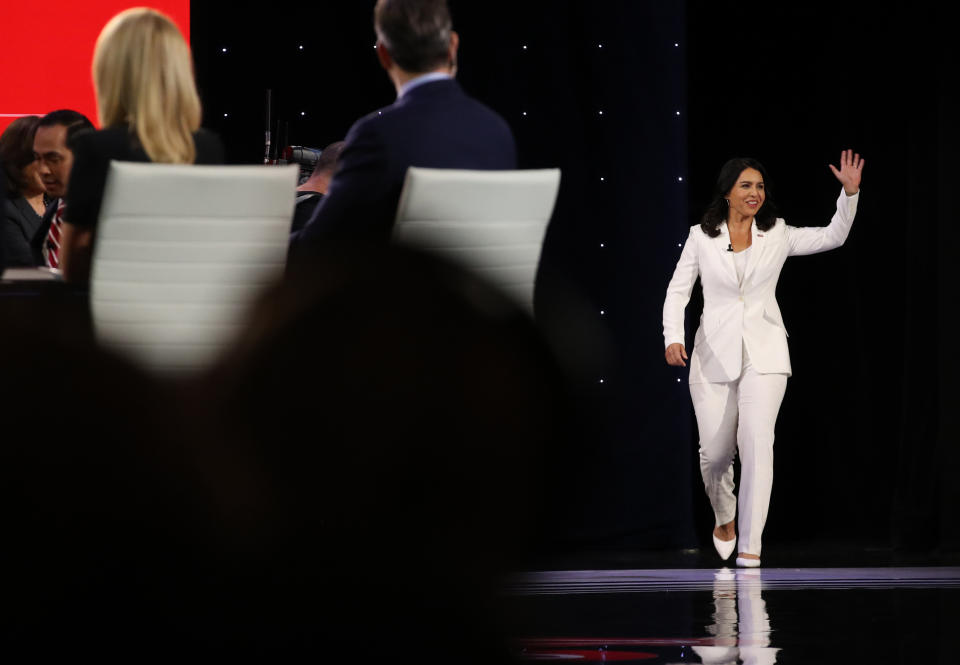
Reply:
x=415, y=32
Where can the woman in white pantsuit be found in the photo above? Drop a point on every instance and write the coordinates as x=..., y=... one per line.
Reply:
x=740, y=363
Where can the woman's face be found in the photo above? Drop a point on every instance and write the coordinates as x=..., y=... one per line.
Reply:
x=33, y=183
x=747, y=195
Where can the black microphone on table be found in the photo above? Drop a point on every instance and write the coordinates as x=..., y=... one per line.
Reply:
x=729, y=246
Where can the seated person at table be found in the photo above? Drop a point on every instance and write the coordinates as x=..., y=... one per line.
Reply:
x=25, y=202
x=311, y=192
x=54, y=159
x=433, y=124
x=150, y=112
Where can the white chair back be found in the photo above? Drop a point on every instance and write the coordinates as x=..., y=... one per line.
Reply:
x=491, y=222
x=181, y=251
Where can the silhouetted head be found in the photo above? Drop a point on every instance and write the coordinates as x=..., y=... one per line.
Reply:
x=402, y=409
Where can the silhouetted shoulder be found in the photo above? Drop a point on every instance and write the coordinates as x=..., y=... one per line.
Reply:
x=209, y=147
x=111, y=141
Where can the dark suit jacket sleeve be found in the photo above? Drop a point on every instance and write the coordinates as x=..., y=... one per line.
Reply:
x=14, y=238
x=11, y=238
x=304, y=209
x=360, y=195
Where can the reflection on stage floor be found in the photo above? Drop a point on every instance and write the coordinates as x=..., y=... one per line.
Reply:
x=759, y=616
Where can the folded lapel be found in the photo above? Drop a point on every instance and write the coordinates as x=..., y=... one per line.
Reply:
x=756, y=251
x=722, y=243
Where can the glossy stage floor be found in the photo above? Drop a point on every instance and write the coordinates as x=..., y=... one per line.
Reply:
x=880, y=614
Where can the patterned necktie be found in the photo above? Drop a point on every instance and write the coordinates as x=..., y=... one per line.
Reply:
x=52, y=245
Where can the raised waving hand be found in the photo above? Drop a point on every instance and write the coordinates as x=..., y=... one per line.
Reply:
x=851, y=167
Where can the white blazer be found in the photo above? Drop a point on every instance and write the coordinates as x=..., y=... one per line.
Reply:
x=737, y=316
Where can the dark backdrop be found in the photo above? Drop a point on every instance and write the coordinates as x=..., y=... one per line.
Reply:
x=864, y=452
x=866, y=441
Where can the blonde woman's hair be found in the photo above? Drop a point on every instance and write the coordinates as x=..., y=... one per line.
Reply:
x=143, y=76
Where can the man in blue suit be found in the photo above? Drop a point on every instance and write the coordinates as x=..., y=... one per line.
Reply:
x=432, y=124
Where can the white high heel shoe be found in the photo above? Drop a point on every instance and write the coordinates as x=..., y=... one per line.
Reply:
x=748, y=563
x=724, y=547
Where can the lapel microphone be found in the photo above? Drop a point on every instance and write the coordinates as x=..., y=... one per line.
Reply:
x=729, y=246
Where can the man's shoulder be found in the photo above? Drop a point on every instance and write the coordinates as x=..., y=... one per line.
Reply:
x=435, y=124
x=444, y=94
x=440, y=104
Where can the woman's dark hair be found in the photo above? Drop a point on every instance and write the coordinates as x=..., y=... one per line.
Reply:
x=716, y=213
x=16, y=151
x=416, y=32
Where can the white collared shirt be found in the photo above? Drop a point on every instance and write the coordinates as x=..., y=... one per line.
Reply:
x=420, y=80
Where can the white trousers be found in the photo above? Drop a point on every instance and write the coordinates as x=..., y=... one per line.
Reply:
x=739, y=416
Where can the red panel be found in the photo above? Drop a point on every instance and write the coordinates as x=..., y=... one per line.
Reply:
x=592, y=656
x=46, y=50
